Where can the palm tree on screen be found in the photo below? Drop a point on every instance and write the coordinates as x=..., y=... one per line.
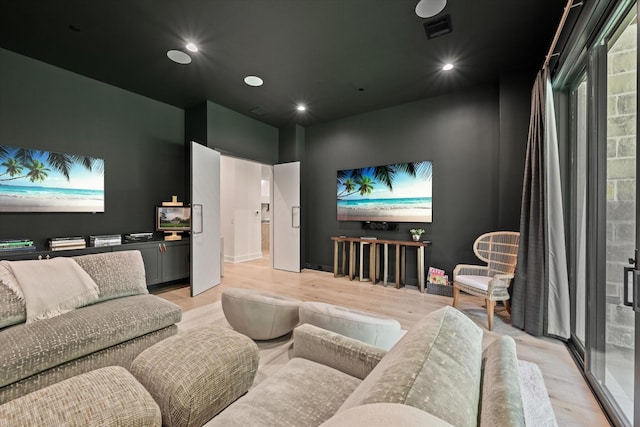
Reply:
x=37, y=171
x=13, y=168
x=365, y=185
x=382, y=174
x=21, y=158
x=349, y=187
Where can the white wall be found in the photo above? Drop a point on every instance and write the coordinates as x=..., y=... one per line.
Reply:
x=240, y=209
x=227, y=203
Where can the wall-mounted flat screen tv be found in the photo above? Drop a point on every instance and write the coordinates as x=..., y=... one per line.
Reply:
x=400, y=192
x=46, y=181
x=173, y=218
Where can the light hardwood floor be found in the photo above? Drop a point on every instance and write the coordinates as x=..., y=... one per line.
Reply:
x=573, y=402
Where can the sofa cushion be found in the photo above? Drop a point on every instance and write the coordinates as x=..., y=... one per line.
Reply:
x=367, y=327
x=27, y=349
x=435, y=367
x=122, y=355
x=302, y=393
x=104, y=397
x=12, y=306
x=384, y=415
x=117, y=274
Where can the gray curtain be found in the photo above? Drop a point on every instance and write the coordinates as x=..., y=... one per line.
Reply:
x=540, y=299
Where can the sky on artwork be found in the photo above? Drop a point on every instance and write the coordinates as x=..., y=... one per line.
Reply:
x=404, y=186
x=80, y=177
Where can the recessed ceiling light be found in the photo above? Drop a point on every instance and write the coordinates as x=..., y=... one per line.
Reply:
x=447, y=67
x=179, y=57
x=192, y=47
x=253, y=81
x=301, y=107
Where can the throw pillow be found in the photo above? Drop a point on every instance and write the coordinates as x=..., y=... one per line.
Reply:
x=12, y=307
x=117, y=274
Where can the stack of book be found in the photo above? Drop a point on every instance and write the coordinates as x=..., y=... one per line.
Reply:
x=105, y=240
x=437, y=276
x=8, y=245
x=67, y=243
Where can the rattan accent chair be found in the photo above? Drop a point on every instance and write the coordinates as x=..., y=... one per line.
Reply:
x=499, y=249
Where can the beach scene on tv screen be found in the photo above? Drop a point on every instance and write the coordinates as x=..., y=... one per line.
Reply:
x=44, y=181
x=400, y=192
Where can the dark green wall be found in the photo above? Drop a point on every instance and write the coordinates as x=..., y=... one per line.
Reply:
x=141, y=141
x=242, y=136
x=474, y=138
x=459, y=132
x=291, y=144
x=515, y=101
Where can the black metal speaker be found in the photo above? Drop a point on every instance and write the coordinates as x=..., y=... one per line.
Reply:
x=381, y=225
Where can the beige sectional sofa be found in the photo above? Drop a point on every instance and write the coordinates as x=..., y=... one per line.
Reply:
x=439, y=368
x=122, y=322
x=438, y=374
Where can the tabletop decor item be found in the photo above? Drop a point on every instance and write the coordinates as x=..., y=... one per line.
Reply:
x=416, y=233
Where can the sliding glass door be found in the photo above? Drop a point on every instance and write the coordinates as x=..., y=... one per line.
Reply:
x=604, y=215
x=578, y=223
x=614, y=368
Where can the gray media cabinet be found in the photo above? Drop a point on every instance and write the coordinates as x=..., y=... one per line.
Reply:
x=164, y=261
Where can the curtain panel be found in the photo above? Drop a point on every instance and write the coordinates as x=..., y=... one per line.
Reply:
x=540, y=299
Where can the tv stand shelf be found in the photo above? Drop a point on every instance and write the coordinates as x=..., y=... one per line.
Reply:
x=164, y=261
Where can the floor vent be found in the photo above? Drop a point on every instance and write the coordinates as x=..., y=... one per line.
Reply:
x=438, y=27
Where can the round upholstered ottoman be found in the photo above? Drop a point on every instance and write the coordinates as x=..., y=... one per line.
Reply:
x=195, y=375
x=367, y=327
x=259, y=315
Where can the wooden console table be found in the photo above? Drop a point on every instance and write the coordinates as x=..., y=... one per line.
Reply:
x=374, y=258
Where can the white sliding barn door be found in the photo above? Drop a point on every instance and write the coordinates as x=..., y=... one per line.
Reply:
x=286, y=217
x=205, y=232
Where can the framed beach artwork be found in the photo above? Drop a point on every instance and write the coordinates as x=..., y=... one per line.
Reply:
x=45, y=181
x=400, y=192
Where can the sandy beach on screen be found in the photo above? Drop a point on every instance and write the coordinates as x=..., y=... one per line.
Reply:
x=40, y=204
x=390, y=215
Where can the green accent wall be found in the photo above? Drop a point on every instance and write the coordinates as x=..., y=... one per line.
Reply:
x=475, y=138
x=472, y=187
x=141, y=141
x=242, y=136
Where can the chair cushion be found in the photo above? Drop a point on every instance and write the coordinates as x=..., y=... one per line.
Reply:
x=479, y=282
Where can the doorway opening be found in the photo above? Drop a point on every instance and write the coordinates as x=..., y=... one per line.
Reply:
x=245, y=209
